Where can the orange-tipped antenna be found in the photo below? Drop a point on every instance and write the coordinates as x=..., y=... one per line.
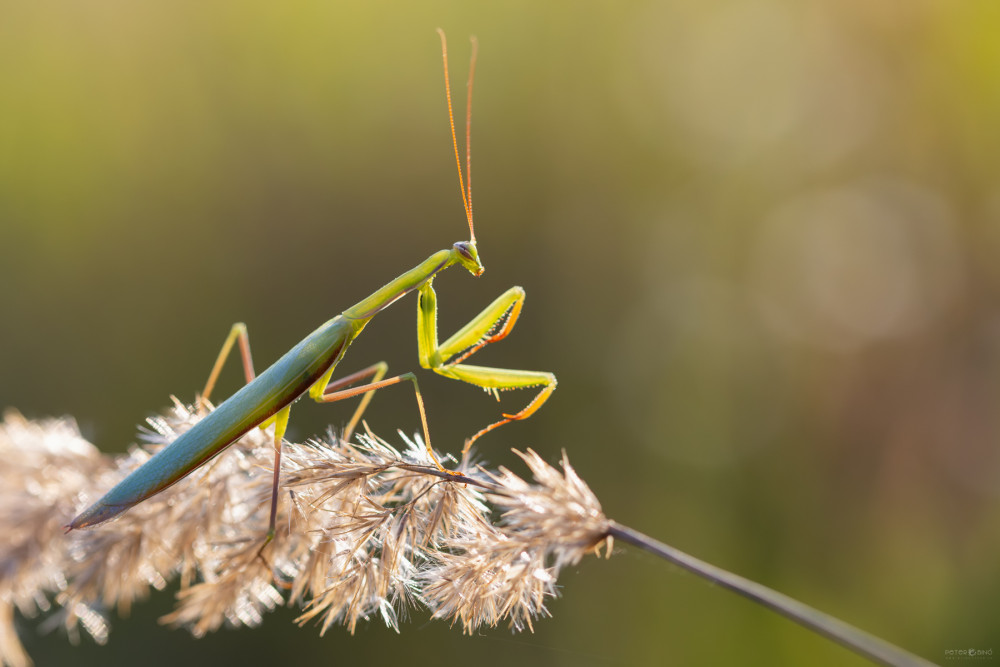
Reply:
x=465, y=183
x=468, y=127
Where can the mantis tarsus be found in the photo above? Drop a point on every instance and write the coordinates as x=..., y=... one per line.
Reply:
x=308, y=367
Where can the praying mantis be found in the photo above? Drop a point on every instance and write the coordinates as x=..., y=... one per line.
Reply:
x=308, y=368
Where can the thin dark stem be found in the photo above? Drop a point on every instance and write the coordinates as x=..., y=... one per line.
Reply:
x=860, y=642
x=446, y=475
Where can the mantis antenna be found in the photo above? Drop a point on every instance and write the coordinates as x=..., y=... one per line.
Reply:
x=464, y=183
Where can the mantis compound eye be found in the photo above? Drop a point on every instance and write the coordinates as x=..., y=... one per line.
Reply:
x=465, y=250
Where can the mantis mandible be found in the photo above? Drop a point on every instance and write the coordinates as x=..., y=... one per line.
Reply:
x=308, y=367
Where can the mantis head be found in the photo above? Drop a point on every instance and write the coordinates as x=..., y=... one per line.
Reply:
x=465, y=253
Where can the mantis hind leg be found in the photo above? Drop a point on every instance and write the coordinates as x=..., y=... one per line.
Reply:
x=493, y=324
x=280, y=424
x=238, y=332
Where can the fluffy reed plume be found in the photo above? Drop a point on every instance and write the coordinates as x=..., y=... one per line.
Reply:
x=364, y=531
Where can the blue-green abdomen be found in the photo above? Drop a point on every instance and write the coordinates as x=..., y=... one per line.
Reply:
x=283, y=382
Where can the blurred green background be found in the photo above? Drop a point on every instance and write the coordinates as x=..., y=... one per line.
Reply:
x=759, y=240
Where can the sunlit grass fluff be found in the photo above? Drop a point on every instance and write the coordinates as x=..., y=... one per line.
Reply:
x=364, y=531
